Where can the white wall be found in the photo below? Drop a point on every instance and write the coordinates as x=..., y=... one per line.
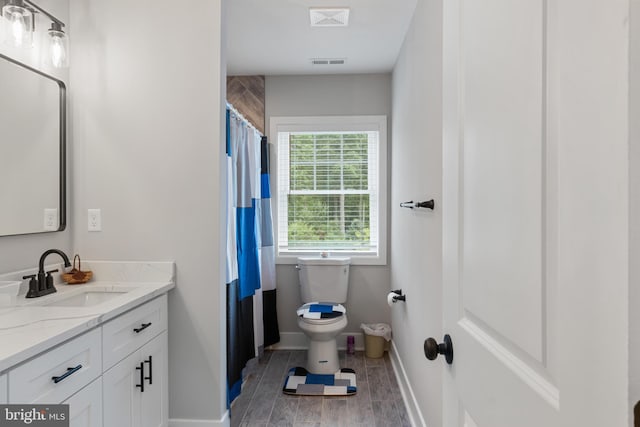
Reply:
x=327, y=95
x=147, y=109
x=416, y=174
x=21, y=252
x=634, y=205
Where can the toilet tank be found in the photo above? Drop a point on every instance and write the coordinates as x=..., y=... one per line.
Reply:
x=324, y=279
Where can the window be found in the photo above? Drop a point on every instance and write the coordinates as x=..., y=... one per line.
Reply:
x=331, y=182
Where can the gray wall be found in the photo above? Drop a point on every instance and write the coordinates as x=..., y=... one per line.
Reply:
x=148, y=124
x=416, y=173
x=634, y=205
x=328, y=95
x=21, y=252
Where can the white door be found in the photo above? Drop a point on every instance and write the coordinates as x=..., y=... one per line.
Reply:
x=534, y=268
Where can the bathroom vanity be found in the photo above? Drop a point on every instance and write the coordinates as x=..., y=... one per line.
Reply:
x=100, y=347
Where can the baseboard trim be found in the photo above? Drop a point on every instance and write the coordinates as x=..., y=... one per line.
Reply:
x=222, y=422
x=298, y=341
x=408, y=396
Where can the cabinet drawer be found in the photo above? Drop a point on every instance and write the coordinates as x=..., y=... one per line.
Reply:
x=33, y=382
x=125, y=334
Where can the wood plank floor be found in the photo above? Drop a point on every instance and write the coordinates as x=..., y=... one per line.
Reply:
x=262, y=403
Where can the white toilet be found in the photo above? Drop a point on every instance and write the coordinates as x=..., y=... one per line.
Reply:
x=323, y=286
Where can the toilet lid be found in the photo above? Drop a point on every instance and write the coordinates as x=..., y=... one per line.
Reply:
x=321, y=310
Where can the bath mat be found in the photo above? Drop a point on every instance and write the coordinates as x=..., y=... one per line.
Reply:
x=302, y=383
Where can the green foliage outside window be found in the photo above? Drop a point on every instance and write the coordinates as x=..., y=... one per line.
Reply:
x=328, y=202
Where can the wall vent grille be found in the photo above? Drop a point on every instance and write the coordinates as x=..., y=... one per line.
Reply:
x=328, y=61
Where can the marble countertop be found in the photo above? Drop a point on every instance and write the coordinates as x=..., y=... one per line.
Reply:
x=30, y=326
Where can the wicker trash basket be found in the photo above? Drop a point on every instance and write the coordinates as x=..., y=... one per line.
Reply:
x=375, y=336
x=373, y=346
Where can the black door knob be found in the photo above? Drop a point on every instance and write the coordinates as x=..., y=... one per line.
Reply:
x=432, y=349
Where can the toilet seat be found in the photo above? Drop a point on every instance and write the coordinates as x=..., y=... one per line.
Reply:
x=321, y=313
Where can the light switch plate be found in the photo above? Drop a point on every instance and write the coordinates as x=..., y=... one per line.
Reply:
x=94, y=218
x=51, y=220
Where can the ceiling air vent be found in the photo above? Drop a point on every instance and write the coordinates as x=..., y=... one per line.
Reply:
x=329, y=17
x=328, y=61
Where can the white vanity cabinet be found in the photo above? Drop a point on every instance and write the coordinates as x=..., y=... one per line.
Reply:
x=3, y=389
x=135, y=387
x=114, y=375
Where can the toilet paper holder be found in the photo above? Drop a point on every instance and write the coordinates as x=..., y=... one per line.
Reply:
x=399, y=296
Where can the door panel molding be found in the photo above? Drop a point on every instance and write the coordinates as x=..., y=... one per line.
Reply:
x=535, y=379
x=502, y=180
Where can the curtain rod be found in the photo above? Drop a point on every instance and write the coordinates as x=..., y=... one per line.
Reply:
x=237, y=113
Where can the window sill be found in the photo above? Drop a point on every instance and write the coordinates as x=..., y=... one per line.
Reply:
x=284, y=258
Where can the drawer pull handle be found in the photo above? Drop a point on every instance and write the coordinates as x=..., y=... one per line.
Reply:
x=70, y=371
x=141, y=328
x=141, y=369
x=150, y=377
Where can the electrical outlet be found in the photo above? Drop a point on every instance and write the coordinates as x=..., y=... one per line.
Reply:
x=94, y=220
x=51, y=220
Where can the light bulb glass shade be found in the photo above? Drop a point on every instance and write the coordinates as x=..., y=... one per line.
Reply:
x=58, y=48
x=18, y=26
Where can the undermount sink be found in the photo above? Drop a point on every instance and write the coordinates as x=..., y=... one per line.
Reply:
x=87, y=298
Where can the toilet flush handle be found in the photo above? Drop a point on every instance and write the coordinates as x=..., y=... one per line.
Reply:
x=298, y=267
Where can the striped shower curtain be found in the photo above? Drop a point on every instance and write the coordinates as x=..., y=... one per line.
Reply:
x=251, y=288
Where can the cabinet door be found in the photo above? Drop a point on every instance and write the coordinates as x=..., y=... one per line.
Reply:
x=121, y=394
x=85, y=407
x=3, y=389
x=154, y=400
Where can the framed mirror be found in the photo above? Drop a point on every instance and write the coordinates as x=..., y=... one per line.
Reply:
x=32, y=150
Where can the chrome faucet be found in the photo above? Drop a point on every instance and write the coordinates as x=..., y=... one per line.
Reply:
x=43, y=285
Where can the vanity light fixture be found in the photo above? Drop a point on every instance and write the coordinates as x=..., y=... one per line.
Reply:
x=19, y=25
x=58, y=46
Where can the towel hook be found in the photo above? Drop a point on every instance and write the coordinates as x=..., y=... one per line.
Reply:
x=429, y=204
x=399, y=296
